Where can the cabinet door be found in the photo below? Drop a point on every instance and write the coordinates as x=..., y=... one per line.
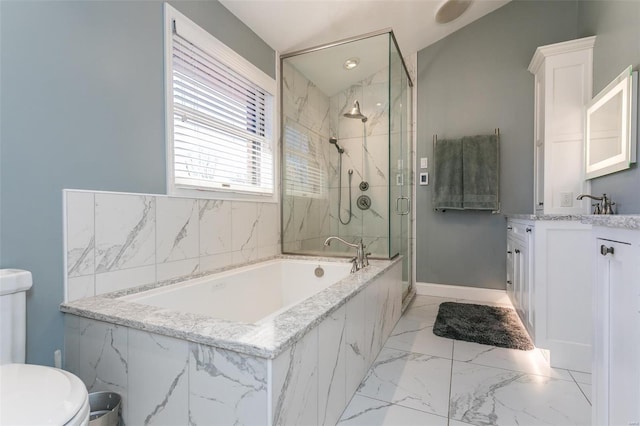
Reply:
x=510, y=256
x=519, y=274
x=617, y=337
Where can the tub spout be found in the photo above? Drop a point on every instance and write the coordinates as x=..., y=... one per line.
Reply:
x=361, y=259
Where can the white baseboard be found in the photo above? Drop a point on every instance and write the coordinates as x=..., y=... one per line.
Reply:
x=462, y=292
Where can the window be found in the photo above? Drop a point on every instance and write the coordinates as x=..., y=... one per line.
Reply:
x=304, y=175
x=219, y=115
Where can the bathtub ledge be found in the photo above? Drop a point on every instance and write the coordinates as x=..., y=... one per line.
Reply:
x=266, y=340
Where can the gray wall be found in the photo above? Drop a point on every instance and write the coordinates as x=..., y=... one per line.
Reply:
x=470, y=83
x=81, y=106
x=617, y=26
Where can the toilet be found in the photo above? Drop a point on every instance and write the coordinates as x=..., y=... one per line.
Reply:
x=32, y=394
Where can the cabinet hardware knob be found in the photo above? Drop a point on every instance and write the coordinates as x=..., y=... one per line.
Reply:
x=604, y=250
x=541, y=204
x=517, y=251
x=508, y=251
x=509, y=228
x=528, y=229
x=508, y=281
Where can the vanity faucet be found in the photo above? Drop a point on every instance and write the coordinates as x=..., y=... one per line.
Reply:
x=360, y=261
x=607, y=205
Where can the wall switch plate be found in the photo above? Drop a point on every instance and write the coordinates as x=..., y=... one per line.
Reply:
x=566, y=199
x=424, y=178
x=424, y=162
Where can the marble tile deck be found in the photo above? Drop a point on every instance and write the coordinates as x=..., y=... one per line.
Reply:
x=422, y=379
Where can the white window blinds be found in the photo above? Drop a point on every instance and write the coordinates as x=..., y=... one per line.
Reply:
x=304, y=175
x=222, y=122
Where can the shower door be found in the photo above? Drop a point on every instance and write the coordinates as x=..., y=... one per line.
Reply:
x=400, y=165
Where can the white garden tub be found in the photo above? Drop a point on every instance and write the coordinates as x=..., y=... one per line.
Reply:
x=250, y=294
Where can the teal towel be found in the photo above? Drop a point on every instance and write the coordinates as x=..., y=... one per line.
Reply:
x=480, y=172
x=447, y=190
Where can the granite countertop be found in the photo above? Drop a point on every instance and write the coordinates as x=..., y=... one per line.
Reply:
x=265, y=340
x=613, y=221
x=545, y=216
x=608, y=220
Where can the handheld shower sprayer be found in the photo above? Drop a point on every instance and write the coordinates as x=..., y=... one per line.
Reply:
x=334, y=141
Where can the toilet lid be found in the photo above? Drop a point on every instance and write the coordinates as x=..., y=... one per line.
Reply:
x=38, y=395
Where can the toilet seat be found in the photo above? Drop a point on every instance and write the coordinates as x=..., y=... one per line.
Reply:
x=39, y=395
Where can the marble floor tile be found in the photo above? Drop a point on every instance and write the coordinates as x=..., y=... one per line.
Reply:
x=414, y=335
x=453, y=422
x=581, y=377
x=498, y=302
x=409, y=379
x=425, y=308
x=372, y=412
x=530, y=362
x=489, y=396
x=586, y=390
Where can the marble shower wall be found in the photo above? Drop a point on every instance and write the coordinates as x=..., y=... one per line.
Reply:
x=366, y=148
x=115, y=241
x=305, y=136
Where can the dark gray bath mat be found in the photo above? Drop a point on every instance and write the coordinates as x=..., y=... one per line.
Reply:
x=488, y=325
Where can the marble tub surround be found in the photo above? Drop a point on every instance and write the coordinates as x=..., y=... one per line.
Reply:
x=300, y=368
x=266, y=339
x=115, y=241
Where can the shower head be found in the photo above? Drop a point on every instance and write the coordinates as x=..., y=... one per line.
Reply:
x=334, y=141
x=355, y=112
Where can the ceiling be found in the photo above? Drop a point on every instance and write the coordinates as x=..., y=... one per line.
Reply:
x=289, y=25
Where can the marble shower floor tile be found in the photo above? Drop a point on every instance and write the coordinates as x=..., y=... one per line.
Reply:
x=409, y=379
x=366, y=411
x=489, y=396
x=414, y=335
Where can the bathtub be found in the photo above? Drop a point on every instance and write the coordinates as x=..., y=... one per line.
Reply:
x=268, y=343
x=250, y=294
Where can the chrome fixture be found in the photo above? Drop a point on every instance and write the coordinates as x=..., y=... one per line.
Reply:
x=355, y=112
x=334, y=141
x=361, y=260
x=605, y=208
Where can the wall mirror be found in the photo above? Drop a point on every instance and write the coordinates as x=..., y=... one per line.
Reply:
x=611, y=127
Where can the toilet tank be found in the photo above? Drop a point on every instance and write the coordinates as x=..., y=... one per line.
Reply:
x=14, y=284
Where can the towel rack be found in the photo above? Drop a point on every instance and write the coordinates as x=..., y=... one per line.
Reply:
x=477, y=197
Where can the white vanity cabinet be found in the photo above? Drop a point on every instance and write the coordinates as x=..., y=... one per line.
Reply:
x=519, y=270
x=563, y=80
x=549, y=281
x=616, y=354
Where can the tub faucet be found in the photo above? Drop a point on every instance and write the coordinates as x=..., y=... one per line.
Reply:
x=607, y=205
x=361, y=258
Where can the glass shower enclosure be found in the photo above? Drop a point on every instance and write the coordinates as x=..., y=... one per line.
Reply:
x=346, y=153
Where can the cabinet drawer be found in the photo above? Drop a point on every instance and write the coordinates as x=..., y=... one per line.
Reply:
x=519, y=230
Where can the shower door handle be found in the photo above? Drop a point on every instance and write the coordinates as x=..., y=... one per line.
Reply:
x=404, y=212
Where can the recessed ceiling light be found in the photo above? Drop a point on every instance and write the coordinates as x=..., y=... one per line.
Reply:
x=351, y=63
x=451, y=10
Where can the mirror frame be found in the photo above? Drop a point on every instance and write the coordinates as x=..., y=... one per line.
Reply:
x=626, y=84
